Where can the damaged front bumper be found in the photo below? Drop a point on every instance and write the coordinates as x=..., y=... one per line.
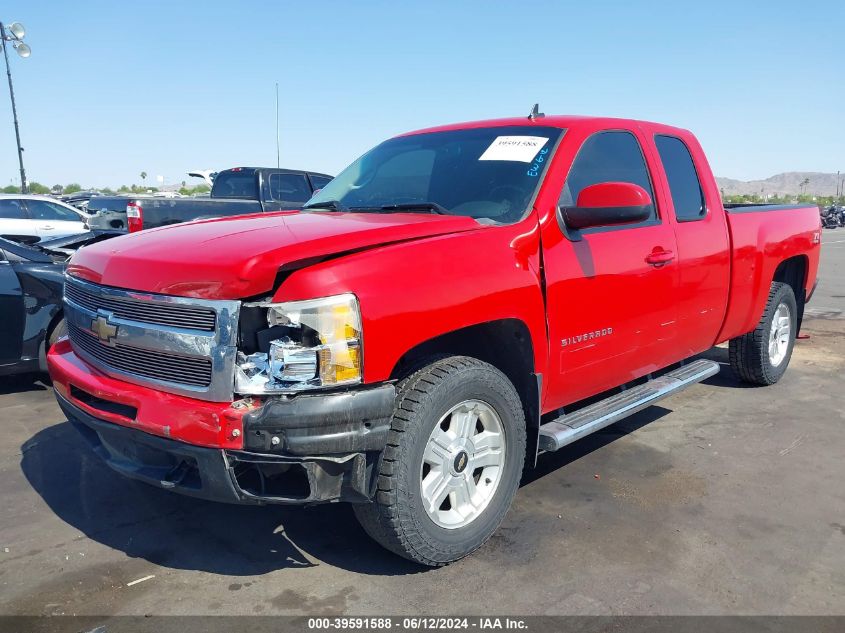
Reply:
x=233, y=476
x=306, y=449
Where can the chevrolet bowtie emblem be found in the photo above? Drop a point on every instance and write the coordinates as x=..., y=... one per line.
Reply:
x=103, y=330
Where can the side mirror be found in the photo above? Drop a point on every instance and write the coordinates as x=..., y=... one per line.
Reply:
x=608, y=204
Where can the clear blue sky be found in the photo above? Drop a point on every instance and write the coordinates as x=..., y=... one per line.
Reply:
x=116, y=88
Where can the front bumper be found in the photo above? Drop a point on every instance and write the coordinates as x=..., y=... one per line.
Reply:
x=302, y=450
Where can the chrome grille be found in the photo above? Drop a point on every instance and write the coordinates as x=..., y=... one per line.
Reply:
x=173, y=344
x=142, y=362
x=181, y=316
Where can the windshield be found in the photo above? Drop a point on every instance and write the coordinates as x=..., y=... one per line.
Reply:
x=235, y=183
x=485, y=173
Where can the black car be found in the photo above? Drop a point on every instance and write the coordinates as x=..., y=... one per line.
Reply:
x=31, y=286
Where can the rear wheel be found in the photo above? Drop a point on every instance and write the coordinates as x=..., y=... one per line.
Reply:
x=452, y=463
x=762, y=356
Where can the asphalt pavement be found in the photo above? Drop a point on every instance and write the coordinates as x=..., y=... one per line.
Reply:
x=723, y=499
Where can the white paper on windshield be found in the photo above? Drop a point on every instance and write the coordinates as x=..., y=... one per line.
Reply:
x=517, y=148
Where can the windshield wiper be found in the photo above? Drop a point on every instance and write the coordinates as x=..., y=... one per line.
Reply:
x=431, y=207
x=333, y=205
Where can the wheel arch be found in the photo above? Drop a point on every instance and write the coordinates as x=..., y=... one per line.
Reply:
x=793, y=272
x=506, y=344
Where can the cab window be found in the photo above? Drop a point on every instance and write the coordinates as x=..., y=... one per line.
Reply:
x=687, y=196
x=613, y=156
x=289, y=187
x=318, y=182
x=235, y=183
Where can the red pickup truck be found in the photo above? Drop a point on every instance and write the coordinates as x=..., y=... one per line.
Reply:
x=456, y=302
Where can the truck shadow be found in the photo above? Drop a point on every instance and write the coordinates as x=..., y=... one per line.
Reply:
x=179, y=532
x=185, y=533
x=550, y=462
x=725, y=377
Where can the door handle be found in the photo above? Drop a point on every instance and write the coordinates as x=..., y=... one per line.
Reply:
x=660, y=258
x=47, y=227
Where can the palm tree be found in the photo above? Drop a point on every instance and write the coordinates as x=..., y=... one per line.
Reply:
x=804, y=184
x=143, y=176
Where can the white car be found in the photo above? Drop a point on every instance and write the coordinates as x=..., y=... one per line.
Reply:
x=34, y=217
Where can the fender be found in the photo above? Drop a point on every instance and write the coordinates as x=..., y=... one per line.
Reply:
x=412, y=292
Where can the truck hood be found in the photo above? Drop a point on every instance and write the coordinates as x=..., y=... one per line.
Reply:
x=234, y=258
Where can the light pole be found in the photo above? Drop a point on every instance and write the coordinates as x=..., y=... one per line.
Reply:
x=14, y=33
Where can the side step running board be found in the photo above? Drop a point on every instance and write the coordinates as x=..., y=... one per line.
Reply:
x=573, y=426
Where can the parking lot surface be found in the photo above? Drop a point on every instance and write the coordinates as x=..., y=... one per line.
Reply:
x=723, y=499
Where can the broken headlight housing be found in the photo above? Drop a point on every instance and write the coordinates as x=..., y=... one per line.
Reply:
x=299, y=345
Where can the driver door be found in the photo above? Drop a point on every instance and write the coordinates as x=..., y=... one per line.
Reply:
x=611, y=314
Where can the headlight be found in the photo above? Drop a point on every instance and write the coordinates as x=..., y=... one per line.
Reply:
x=304, y=345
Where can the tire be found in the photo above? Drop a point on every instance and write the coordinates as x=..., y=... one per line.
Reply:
x=442, y=400
x=752, y=356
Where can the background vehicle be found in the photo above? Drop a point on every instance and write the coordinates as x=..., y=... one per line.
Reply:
x=32, y=217
x=31, y=286
x=207, y=175
x=454, y=303
x=80, y=199
x=832, y=217
x=237, y=191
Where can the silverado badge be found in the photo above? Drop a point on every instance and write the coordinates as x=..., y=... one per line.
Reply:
x=586, y=336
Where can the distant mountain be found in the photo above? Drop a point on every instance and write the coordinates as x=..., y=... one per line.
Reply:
x=785, y=184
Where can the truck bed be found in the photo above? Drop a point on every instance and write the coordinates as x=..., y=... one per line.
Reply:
x=111, y=212
x=750, y=207
x=763, y=237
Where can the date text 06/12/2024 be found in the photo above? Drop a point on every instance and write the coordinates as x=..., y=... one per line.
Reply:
x=416, y=623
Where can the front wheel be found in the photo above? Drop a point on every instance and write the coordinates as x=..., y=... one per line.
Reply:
x=762, y=356
x=452, y=463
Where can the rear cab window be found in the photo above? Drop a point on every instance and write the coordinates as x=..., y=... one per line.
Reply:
x=684, y=184
x=608, y=156
x=236, y=183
